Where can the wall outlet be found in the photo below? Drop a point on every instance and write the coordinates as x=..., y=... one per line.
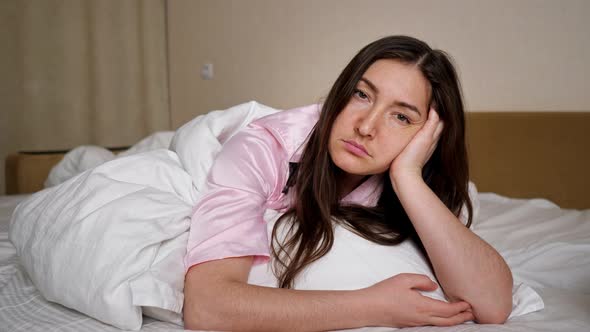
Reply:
x=207, y=71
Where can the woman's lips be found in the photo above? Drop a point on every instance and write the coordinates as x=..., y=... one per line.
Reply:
x=356, y=148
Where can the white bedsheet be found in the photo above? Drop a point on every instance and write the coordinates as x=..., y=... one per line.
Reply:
x=534, y=224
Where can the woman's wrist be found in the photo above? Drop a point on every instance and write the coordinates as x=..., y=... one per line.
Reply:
x=401, y=179
x=369, y=312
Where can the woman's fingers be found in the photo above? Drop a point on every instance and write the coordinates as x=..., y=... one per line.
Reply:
x=438, y=130
x=421, y=146
x=433, y=119
x=446, y=314
x=435, y=124
x=403, y=305
x=433, y=128
x=443, y=309
x=433, y=307
x=419, y=282
x=459, y=318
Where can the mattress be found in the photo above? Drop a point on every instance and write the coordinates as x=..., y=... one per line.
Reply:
x=547, y=232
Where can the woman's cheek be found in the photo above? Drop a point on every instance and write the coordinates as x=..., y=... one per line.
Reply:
x=393, y=152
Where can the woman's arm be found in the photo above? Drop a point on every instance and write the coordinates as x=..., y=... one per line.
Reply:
x=217, y=297
x=467, y=267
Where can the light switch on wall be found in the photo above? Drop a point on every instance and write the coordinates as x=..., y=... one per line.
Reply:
x=207, y=71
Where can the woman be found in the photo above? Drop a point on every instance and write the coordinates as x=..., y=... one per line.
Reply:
x=385, y=156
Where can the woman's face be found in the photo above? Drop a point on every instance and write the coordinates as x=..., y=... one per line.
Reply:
x=388, y=107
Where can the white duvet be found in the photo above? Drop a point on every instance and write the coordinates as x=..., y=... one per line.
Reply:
x=109, y=242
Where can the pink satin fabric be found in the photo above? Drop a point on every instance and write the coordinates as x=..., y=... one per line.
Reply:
x=248, y=177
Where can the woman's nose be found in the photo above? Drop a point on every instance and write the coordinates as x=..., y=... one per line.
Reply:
x=367, y=123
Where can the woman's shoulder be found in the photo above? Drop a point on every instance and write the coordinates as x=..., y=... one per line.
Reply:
x=291, y=127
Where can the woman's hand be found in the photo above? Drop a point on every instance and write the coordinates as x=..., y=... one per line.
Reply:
x=415, y=155
x=397, y=302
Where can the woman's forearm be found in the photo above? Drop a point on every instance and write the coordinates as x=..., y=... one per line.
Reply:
x=213, y=303
x=244, y=307
x=467, y=267
x=217, y=297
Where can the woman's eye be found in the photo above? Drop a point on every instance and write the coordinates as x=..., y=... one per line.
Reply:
x=402, y=118
x=360, y=94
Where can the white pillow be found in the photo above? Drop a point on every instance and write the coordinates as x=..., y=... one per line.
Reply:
x=85, y=157
x=354, y=262
x=111, y=240
x=77, y=161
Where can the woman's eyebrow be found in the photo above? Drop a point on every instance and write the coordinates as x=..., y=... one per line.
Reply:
x=397, y=103
x=408, y=106
x=370, y=84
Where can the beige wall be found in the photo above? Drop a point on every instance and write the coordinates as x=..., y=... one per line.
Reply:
x=512, y=55
x=10, y=96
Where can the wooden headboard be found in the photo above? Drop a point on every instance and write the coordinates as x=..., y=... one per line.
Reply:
x=525, y=155
x=529, y=155
x=26, y=171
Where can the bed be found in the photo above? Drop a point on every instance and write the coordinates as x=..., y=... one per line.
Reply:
x=530, y=172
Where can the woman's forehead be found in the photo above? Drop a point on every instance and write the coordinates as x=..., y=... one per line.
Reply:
x=401, y=82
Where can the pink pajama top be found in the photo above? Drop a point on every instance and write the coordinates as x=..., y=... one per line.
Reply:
x=247, y=178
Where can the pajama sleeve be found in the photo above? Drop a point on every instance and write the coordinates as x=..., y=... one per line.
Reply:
x=227, y=221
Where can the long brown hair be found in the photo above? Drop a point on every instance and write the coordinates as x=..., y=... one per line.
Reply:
x=308, y=224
